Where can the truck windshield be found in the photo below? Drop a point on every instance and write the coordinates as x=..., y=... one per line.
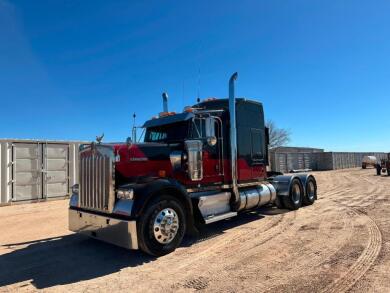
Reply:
x=167, y=133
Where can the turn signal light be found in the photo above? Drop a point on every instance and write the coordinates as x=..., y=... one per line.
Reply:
x=188, y=109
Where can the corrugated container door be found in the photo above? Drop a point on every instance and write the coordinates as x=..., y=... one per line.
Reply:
x=282, y=159
x=282, y=162
x=56, y=170
x=307, y=161
x=26, y=171
x=301, y=161
x=291, y=160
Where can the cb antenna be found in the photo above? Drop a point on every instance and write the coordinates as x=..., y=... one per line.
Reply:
x=134, y=130
x=198, y=99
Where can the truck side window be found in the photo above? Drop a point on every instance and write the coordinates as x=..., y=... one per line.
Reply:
x=257, y=144
x=167, y=133
x=203, y=127
x=157, y=136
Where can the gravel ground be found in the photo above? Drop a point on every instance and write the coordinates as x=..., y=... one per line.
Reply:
x=339, y=244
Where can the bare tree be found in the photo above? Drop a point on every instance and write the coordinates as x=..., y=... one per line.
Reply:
x=277, y=136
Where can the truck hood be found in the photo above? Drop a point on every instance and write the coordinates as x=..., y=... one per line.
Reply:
x=143, y=160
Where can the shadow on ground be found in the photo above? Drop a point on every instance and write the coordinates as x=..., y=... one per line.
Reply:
x=64, y=260
x=73, y=258
x=215, y=229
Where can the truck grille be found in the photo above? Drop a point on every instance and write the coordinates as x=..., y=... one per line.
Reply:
x=96, y=179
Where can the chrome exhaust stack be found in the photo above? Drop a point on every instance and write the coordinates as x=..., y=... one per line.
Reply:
x=233, y=140
x=165, y=102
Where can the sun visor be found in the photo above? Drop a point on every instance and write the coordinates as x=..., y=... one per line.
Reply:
x=168, y=120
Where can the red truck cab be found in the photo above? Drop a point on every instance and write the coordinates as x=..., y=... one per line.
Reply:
x=197, y=167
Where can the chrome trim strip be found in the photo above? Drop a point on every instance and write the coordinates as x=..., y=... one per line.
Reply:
x=220, y=217
x=249, y=184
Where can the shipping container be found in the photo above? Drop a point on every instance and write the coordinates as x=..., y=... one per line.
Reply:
x=35, y=170
x=285, y=159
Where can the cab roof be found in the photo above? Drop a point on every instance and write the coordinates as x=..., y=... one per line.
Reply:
x=180, y=117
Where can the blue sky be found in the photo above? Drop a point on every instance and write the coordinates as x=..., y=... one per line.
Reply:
x=75, y=69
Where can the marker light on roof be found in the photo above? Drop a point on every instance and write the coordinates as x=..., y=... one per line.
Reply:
x=188, y=109
x=165, y=114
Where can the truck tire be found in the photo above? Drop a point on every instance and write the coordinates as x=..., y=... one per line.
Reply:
x=294, y=199
x=388, y=172
x=161, y=226
x=311, y=191
x=378, y=169
x=364, y=166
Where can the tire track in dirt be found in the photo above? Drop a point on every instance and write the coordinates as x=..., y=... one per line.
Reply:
x=361, y=198
x=356, y=194
x=210, y=246
x=253, y=242
x=274, y=227
x=303, y=262
x=369, y=254
x=226, y=248
x=365, y=260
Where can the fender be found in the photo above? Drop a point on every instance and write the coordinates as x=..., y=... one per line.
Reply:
x=282, y=183
x=145, y=192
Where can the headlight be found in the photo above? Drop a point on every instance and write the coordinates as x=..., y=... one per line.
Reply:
x=125, y=193
x=75, y=189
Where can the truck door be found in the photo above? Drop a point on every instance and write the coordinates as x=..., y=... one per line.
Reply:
x=208, y=130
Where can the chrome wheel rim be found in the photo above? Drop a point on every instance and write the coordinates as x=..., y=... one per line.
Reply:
x=296, y=193
x=166, y=226
x=311, y=190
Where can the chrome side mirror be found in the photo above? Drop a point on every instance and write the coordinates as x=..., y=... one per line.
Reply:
x=210, y=127
x=195, y=160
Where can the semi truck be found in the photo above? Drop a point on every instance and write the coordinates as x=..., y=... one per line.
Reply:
x=384, y=165
x=203, y=165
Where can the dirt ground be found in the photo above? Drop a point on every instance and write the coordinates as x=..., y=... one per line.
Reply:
x=341, y=243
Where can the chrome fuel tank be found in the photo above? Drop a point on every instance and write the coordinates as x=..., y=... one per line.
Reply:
x=257, y=196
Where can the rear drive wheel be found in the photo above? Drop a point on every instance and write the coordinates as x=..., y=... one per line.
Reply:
x=311, y=191
x=294, y=199
x=161, y=227
x=364, y=166
x=388, y=172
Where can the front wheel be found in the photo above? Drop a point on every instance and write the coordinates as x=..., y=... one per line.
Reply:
x=161, y=227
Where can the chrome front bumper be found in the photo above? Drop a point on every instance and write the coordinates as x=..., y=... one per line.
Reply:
x=118, y=232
